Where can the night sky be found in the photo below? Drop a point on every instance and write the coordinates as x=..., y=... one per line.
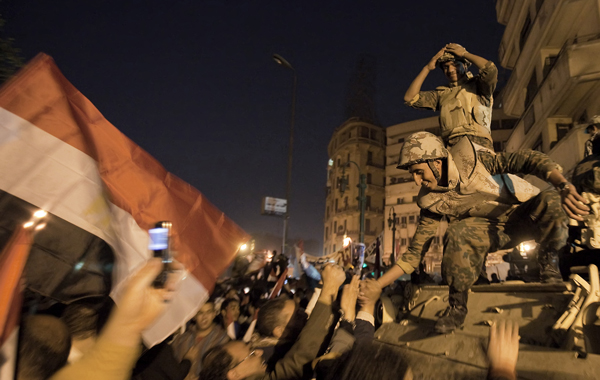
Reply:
x=193, y=82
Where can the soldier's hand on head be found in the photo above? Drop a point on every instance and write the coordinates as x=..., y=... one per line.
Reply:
x=456, y=49
x=433, y=62
x=573, y=203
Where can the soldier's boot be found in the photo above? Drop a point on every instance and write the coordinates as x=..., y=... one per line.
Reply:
x=549, y=271
x=454, y=316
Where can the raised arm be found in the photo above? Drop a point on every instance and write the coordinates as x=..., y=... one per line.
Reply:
x=416, y=84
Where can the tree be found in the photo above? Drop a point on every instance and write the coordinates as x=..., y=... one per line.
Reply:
x=10, y=58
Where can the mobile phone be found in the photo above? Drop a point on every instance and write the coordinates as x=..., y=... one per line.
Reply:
x=159, y=245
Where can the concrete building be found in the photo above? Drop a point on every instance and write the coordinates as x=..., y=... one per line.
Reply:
x=401, y=192
x=364, y=144
x=552, y=48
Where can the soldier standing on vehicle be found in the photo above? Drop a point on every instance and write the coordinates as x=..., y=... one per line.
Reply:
x=465, y=104
x=488, y=208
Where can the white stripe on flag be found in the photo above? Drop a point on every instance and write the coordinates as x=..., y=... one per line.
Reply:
x=53, y=175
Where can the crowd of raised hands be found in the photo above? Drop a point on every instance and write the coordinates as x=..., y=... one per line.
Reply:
x=333, y=342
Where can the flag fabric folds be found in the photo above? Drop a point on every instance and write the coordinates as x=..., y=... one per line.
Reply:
x=12, y=262
x=58, y=153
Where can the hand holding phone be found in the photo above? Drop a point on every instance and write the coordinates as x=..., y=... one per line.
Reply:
x=160, y=246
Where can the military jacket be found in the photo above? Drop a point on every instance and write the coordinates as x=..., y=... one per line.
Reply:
x=465, y=107
x=586, y=178
x=480, y=183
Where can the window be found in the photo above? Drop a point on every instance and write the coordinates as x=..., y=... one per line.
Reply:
x=327, y=212
x=336, y=205
x=538, y=144
x=498, y=146
x=529, y=119
x=403, y=220
x=411, y=219
x=344, y=224
x=369, y=157
x=400, y=140
x=333, y=248
x=392, y=180
x=368, y=203
x=369, y=178
x=334, y=228
x=348, y=158
x=364, y=132
x=367, y=225
x=525, y=32
x=345, y=202
x=399, y=201
x=374, y=135
x=326, y=232
x=403, y=242
x=532, y=88
x=562, y=130
x=548, y=64
x=338, y=162
x=415, y=197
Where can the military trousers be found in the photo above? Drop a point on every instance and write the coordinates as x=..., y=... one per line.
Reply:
x=468, y=240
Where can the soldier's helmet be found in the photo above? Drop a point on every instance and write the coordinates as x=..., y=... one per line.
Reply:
x=447, y=57
x=421, y=147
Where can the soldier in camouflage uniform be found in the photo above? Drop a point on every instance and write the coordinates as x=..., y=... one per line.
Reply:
x=487, y=207
x=586, y=178
x=465, y=104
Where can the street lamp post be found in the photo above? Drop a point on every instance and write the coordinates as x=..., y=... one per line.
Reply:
x=288, y=188
x=362, y=199
x=392, y=220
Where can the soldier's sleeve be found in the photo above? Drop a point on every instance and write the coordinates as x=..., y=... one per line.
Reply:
x=426, y=229
x=520, y=162
x=487, y=79
x=425, y=100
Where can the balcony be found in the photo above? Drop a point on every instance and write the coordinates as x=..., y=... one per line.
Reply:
x=571, y=79
x=520, y=43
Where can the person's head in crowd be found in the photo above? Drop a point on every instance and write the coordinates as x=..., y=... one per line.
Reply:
x=44, y=347
x=230, y=310
x=232, y=361
x=372, y=361
x=280, y=318
x=232, y=293
x=205, y=317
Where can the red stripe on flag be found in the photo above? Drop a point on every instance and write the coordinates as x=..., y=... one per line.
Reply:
x=12, y=262
x=205, y=239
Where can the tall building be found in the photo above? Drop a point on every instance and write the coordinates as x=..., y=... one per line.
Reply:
x=552, y=48
x=356, y=147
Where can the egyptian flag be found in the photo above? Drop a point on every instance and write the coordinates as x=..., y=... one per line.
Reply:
x=103, y=192
x=12, y=262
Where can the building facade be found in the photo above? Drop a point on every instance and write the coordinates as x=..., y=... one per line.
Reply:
x=552, y=48
x=356, y=147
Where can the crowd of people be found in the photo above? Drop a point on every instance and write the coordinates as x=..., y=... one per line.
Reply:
x=239, y=333
x=322, y=327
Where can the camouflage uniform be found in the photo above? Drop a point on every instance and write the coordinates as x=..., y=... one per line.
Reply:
x=465, y=107
x=586, y=178
x=482, y=221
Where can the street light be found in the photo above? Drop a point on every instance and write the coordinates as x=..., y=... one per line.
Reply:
x=392, y=220
x=288, y=188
